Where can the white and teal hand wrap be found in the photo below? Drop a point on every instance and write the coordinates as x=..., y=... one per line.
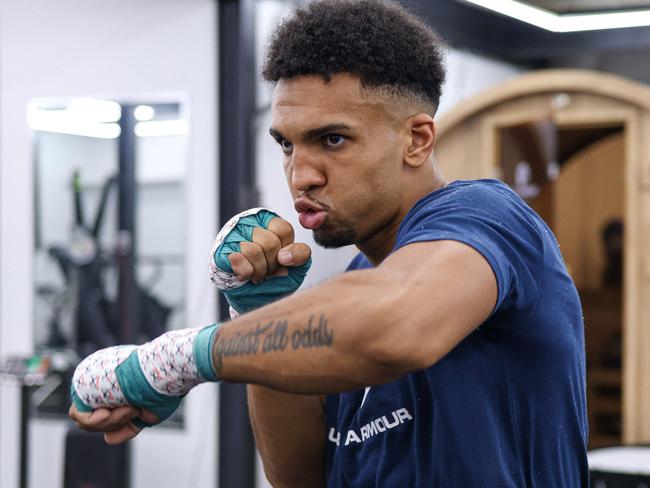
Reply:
x=154, y=376
x=245, y=296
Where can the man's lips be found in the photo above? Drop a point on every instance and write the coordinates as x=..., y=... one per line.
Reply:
x=312, y=219
x=310, y=215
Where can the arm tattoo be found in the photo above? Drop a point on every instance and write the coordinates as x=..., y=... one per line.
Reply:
x=272, y=337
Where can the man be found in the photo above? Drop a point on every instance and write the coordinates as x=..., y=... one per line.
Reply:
x=450, y=354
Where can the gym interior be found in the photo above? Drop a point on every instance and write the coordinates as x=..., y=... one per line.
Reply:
x=131, y=131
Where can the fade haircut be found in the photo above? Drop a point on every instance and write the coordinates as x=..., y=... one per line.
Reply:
x=392, y=52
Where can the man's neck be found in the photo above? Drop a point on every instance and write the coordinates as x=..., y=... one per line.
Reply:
x=377, y=248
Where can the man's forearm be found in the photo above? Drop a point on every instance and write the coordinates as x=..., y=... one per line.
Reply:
x=290, y=436
x=331, y=338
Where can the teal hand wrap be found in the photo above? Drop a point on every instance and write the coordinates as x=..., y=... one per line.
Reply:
x=244, y=297
x=78, y=402
x=243, y=232
x=154, y=376
x=202, y=350
x=139, y=393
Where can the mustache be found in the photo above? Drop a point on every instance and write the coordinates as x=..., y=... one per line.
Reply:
x=315, y=201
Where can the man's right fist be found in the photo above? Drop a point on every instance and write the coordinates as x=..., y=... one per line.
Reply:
x=255, y=261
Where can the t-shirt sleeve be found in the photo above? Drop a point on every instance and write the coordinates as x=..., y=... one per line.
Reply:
x=493, y=222
x=358, y=262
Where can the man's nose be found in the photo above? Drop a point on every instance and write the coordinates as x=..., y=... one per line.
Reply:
x=306, y=173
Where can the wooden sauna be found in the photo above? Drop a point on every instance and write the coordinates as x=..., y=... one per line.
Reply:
x=576, y=146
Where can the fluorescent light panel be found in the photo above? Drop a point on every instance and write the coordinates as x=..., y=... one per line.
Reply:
x=565, y=22
x=99, y=120
x=158, y=128
x=94, y=110
x=144, y=112
x=62, y=122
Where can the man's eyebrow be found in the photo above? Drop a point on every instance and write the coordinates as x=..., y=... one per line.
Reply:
x=319, y=132
x=275, y=133
x=315, y=133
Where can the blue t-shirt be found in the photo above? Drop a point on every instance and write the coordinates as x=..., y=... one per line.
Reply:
x=506, y=407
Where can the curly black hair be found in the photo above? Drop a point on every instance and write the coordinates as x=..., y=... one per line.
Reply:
x=378, y=41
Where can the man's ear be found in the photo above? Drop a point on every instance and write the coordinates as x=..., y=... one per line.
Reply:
x=423, y=135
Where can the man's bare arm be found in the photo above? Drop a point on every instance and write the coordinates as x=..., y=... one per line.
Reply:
x=290, y=436
x=367, y=327
x=364, y=327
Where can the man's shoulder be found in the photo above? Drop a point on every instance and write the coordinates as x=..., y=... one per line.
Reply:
x=469, y=193
x=463, y=201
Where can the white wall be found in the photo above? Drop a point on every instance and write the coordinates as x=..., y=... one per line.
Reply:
x=124, y=50
x=468, y=74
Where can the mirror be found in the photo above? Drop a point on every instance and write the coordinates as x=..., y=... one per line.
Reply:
x=109, y=217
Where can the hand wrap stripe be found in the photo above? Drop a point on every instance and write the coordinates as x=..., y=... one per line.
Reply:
x=245, y=296
x=139, y=392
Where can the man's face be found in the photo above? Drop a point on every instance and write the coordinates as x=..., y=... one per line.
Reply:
x=342, y=156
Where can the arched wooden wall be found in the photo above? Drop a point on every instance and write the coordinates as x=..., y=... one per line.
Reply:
x=467, y=147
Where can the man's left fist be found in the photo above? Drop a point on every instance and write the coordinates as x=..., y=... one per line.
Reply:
x=255, y=261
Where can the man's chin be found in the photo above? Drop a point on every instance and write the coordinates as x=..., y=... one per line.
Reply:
x=333, y=240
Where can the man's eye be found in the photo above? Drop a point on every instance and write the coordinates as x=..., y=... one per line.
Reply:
x=334, y=140
x=286, y=145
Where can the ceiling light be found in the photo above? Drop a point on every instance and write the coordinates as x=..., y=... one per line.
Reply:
x=565, y=22
x=159, y=128
x=60, y=122
x=65, y=121
x=95, y=110
x=144, y=113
